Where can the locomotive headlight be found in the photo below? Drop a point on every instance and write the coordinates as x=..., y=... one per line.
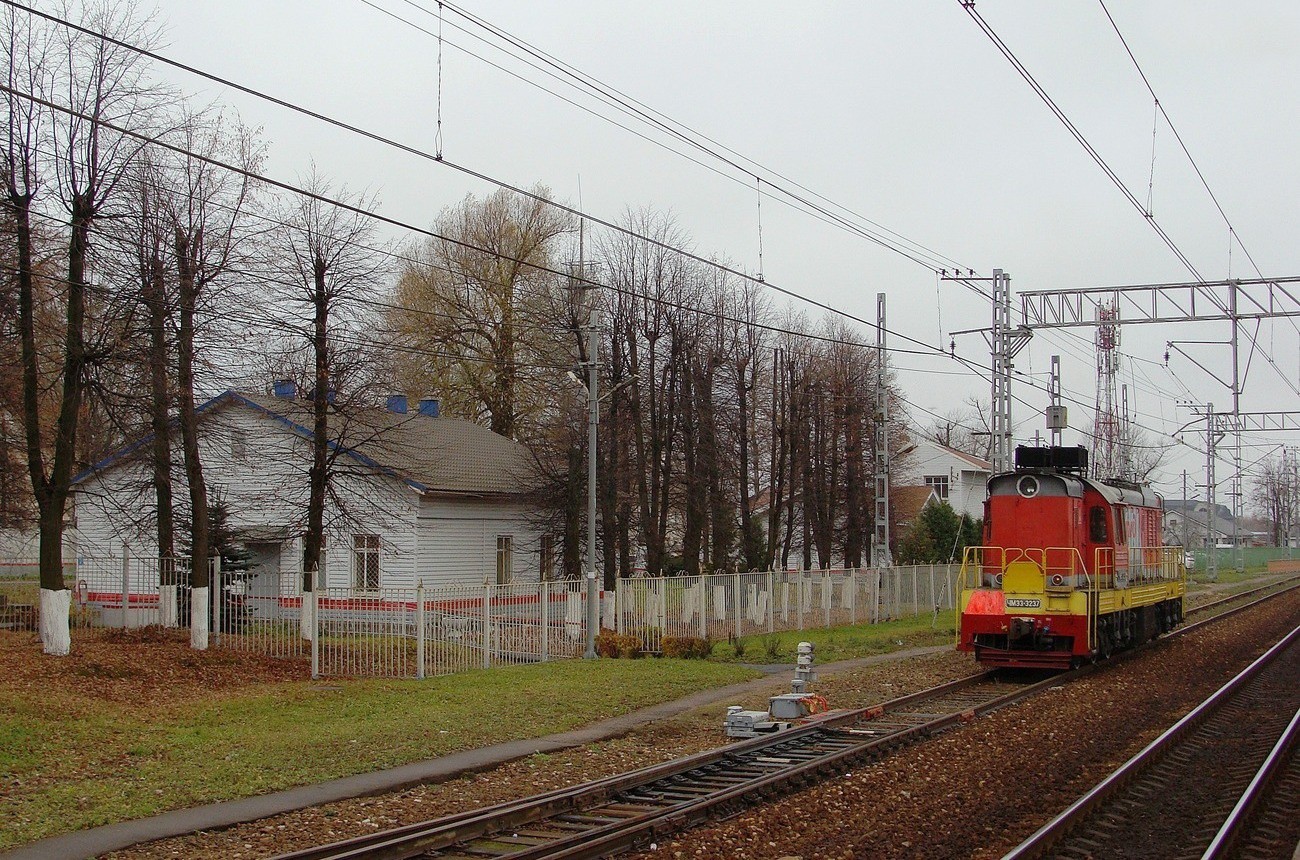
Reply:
x=1057, y=579
x=1027, y=486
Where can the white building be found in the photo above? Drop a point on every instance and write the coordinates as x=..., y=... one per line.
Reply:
x=413, y=496
x=958, y=478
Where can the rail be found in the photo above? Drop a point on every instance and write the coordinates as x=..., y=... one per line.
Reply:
x=1226, y=839
x=1082, y=809
x=601, y=818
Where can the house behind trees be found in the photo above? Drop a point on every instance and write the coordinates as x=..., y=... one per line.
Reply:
x=958, y=478
x=412, y=496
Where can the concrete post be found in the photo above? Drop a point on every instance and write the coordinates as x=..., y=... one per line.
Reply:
x=419, y=629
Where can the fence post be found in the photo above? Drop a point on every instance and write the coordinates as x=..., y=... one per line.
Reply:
x=798, y=596
x=544, y=605
x=826, y=596
x=314, y=620
x=218, y=597
x=704, y=609
x=126, y=583
x=622, y=598
x=873, y=595
x=419, y=629
x=487, y=623
x=735, y=601
x=916, y=597
x=771, y=602
x=853, y=596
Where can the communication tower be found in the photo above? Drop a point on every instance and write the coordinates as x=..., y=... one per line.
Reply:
x=1106, y=441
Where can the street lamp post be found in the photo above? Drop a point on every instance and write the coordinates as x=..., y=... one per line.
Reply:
x=593, y=417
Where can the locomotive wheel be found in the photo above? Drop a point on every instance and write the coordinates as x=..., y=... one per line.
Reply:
x=1105, y=639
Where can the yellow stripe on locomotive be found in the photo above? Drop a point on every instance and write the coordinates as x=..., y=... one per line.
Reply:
x=1071, y=569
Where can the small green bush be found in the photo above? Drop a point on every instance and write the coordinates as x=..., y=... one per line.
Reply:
x=687, y=647
x=738, y=646
x=772, y=646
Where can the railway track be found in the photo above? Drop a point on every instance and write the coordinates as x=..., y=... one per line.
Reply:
x=1266, y=822
x=1190, y=792
x=608, y=816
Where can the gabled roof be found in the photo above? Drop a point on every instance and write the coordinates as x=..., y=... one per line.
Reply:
x=975, y=462
x=906, y=503
x=431, y=455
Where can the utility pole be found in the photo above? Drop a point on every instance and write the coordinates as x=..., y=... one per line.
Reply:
x=1001, y=372
x=1004, y=343
x=880, y=555
x=592, y=368
x=1106, y=447
x=593, y=418
x=1056, y=414
x=1185, y=500
x=1211, y=547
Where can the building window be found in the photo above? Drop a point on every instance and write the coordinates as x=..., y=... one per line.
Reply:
x=505, y=558
x=546, y=551
x=365, y=562
x=940, y=485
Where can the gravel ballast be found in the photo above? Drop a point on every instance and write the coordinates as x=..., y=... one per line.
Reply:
x=973, y=792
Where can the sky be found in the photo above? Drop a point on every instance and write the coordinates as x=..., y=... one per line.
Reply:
x=903, y=112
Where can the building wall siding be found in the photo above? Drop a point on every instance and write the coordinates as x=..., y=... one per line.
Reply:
x=259, y=468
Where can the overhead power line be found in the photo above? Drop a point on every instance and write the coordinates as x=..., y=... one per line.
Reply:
x=431, y=157
x=927, y=349
x=1235, y=236
x=1005, y=50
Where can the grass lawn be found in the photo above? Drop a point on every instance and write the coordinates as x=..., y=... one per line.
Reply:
x=843, y=643
x=95, y=741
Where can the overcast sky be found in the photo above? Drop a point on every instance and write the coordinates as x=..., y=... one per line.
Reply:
x=902, y=111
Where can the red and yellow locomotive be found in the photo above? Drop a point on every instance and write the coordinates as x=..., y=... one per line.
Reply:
x=1072, y=568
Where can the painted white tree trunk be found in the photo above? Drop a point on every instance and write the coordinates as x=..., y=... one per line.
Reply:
x=199, y=619
x=56, y=635
x=168, y=610
x=305, y=625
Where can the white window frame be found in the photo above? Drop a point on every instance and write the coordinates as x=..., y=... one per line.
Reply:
x=940, y=484
x=505, y=559
x=546, y=556
x=365, y=561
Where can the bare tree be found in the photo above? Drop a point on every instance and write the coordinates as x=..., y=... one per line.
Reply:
x=205, y=209
x=1276, y=497
x=73, y=152
x=330, y=256
x=968, y=428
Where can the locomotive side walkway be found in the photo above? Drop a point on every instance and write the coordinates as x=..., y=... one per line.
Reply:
x=86, y=844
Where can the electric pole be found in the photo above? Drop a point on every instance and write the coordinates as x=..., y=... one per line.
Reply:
x=880, y=555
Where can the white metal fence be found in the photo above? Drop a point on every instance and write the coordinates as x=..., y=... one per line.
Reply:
x=407, y=632
x=420, y=632
x=732, y=605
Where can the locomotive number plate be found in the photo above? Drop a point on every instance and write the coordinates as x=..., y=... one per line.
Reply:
x=1024, y=602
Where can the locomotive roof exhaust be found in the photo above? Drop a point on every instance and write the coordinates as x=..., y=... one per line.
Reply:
x=1061, y=459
